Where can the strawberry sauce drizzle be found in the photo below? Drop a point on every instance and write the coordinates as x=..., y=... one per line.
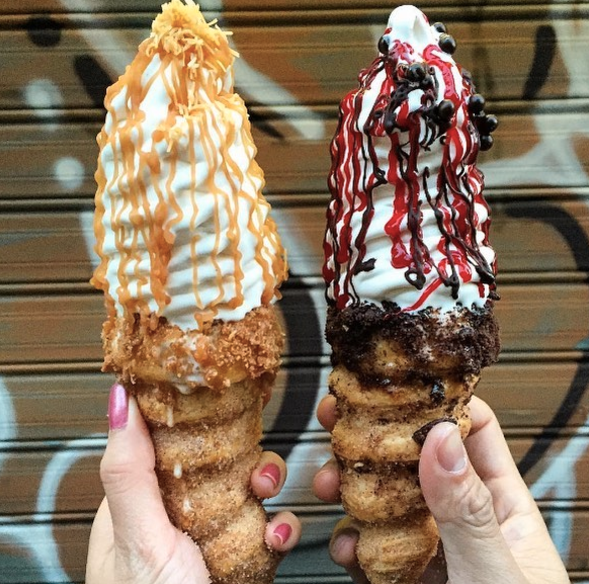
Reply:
x=356, y=173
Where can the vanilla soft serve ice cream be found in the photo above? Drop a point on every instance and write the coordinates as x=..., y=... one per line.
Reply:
x=183, y=231
x=407, y=222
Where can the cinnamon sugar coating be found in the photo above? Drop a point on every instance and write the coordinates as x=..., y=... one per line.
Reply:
x=222, y=353
x=206, y=445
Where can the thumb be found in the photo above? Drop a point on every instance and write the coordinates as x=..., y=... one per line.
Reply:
x=463, y=508
x=128, y=475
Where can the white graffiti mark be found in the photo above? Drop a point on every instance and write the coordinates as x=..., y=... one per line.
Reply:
x=305, y=459
x=38, y=540
x=41, y=94
x=103, y=41
x=44, y=98
x=37, y=536
x=559, y=481
x=263, y=89
x=572, y=33
x=554, y=161
x=69, y=172
x=72, y=452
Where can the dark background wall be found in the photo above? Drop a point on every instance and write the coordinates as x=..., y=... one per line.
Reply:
x=529, y=58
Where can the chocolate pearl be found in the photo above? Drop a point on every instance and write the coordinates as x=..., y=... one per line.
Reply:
x=428, y=81
x=486, y=142
x=420, y=435
x=490, y=124
x=416, y=72
x=447, y=43
x=476, y=103
x=439, y=26
x=446, y=110
x=383, y=45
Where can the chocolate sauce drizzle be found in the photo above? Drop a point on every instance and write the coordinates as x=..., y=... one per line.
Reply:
x=356, y=173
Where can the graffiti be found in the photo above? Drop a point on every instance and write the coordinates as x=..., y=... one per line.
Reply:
x=36, y=536
x=556, y=162
x=558, y=478
x=579, y=245
x=558, y=481
x=543, y=58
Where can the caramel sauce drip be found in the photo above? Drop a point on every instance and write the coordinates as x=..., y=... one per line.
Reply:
x=194, y=60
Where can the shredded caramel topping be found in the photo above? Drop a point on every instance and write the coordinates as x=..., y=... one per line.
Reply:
x=181, y=30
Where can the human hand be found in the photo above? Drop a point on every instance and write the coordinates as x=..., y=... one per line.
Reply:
x=132, y=540
x=490, y=526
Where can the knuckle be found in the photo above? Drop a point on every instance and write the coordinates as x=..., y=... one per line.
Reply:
x=114, y=475
x=470, y=508
x=477, y=510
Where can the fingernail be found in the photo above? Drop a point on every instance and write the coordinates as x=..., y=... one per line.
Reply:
x=118, y=407
x=344, y=543
x=451, y=453
x=328, y=469
x=283, y=532
x=271, y=471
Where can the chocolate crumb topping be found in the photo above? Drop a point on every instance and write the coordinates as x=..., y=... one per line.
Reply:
x=420, y=435
x=437, y=393
x=455, y=343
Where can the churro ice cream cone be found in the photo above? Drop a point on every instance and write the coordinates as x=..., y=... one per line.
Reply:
x=190, y=265
x=410, y=280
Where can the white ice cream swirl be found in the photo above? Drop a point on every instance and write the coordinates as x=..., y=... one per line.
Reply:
x=183, y=230
x=407, y=222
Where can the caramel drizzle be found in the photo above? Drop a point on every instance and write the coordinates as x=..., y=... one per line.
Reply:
x=194, y=60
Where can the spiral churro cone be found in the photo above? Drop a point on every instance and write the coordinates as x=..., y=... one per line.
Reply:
x=206, y=437
x=190, y=266
x=404, y=374
x=410, y=283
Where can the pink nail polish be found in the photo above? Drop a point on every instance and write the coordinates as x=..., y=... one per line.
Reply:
x=118, y=407
x=283, y=532
x=272, y=472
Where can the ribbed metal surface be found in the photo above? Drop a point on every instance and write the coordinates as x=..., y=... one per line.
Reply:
x=297, y=60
